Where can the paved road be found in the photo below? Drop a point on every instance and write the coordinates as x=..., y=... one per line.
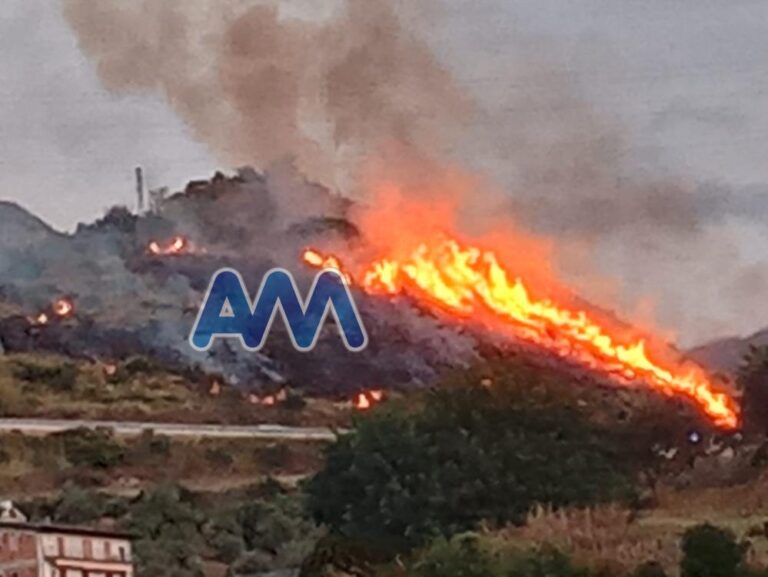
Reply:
x=274, y=432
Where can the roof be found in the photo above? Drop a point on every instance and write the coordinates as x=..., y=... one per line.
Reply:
x=67, y=529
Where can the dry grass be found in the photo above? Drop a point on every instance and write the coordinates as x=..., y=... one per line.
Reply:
x=155, y=395
x=620, y=539
x=603, y=537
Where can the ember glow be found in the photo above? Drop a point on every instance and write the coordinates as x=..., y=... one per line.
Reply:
x=175, y=246
x=317, y=260
x=367, y=399
x=469, y=283
x=63, y=308
x=60, y=308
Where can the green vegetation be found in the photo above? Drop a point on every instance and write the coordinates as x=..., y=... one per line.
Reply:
x=92, y=448
x=466, y=454
x=177, y=531
x=458, y=557
x=710, y=551
x=60, y=377
x=101, y=459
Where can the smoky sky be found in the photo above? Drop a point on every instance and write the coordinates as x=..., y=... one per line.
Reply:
x=632, y=132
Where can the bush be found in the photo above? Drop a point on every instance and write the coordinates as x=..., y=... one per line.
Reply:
x=545, y=562
x=78, y=506
x=710, y=551
x=61, y=377
x=459, y=557
x=92, y=448
x=294, y=401
x=649, y=569
x=469, y=454
x=219, y=458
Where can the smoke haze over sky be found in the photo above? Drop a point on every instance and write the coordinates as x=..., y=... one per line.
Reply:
x=638, y=127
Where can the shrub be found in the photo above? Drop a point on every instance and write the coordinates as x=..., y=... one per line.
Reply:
x=219, y=457
x=459, y=557
x=274, y=455
x=649, y=569
x=77, y=506
x=545, y=562
x=61, y=377
x=710, y=551
x=92, y=448
x=294, y=401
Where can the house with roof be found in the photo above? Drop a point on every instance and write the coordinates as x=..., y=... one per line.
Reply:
x=47, y=550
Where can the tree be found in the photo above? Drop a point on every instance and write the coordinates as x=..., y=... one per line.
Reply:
x=710, y=551
x=168, y=526
x=469, y=453
x=753, y=378
x=92, y=448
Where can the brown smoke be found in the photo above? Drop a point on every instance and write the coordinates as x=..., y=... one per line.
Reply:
x=257, y=85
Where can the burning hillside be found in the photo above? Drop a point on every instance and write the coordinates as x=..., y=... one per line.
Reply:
x=431, y=303
x=470, y=283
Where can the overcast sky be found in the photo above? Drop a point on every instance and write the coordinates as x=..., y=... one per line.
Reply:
x=684, y=82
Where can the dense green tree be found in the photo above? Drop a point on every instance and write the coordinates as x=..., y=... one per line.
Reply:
x=710, y=551
x=168, y=526
x=467, y=453
x=95, y=448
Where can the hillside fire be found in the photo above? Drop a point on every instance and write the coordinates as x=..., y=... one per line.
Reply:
x=175, y=246
x=61, y=308
x=469, y=283
x=317, y=260
x=367, y=399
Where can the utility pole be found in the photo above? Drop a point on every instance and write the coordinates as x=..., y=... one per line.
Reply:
x=140, y=189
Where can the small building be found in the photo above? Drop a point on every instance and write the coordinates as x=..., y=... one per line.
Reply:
x=44, y=550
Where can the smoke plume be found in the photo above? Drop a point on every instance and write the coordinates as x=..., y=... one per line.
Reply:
x=257, y=84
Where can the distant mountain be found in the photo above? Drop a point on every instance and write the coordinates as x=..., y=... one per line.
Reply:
x=727, y=355
x=21, y=229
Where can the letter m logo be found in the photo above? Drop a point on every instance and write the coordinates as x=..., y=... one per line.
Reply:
x=228, y=312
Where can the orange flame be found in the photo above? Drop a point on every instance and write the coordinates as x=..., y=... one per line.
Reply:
x=365, y=400
x=63, y=307
x=41, y=319
x=469, y=282
x=175, y=246
x=317, y=260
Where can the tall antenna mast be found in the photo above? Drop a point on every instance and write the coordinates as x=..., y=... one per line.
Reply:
x=140, y=189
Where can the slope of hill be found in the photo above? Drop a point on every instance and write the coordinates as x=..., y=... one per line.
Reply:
x=726, y=355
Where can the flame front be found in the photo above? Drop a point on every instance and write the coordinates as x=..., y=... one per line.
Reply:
x=471, y=283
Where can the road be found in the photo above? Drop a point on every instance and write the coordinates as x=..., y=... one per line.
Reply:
x=129, y=428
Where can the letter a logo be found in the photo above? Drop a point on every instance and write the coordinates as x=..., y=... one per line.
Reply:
x=228, y=312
